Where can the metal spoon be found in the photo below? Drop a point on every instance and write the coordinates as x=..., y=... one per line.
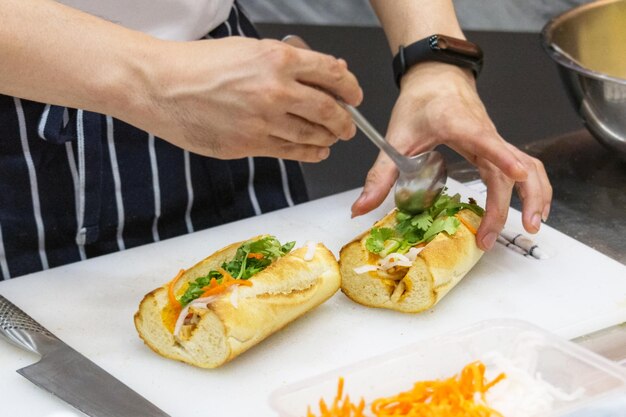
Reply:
x=421, y=177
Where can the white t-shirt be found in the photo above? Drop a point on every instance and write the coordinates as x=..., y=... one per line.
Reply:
x=180, y=20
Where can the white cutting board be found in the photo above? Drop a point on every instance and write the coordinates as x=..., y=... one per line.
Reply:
x=90, y=306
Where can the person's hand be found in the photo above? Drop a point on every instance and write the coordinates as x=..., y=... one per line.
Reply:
x=236, y=97
x=438, y=104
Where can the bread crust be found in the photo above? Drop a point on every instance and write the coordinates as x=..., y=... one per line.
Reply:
x=285, y=290
x=441, y=265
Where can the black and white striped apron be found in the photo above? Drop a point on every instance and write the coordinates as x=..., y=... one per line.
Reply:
x=76, y=184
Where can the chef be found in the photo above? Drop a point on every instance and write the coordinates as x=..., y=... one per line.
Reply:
x=128, y=122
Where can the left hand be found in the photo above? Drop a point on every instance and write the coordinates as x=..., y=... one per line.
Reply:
x=439, y=104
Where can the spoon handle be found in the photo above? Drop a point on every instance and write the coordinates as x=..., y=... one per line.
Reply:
x=376, y=138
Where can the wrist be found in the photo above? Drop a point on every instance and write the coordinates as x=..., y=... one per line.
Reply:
x=437, y=77
x=129, y=85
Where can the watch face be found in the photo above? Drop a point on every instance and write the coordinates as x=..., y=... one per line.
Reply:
x=454, y=45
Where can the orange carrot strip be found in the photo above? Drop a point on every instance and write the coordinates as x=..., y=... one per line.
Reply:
x=342, y=406
x=226, y=276
x=170, y=289
x=218, y=289
x=227, y=281
x=256, y=255
x=466, y=224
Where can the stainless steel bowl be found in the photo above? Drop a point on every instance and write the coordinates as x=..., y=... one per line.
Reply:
x=589, y=45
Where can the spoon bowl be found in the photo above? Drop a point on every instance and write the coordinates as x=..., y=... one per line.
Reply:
x=421, y=177
x=416, y=191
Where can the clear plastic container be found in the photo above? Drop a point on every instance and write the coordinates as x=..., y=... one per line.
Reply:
x=599, y=383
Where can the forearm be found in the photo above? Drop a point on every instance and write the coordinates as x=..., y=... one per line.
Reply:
x=224, y=98
x=406, y=21
x=55, y=54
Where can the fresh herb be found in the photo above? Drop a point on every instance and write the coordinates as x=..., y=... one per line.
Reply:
x=411, y=230
x=441, y=224
x=196, y=288
x=243, y=266
x=376, y=242
x=251, y=258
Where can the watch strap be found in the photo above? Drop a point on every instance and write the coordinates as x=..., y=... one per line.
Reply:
x=427, y=49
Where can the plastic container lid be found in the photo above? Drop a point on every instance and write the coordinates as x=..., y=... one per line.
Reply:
x=595, y=381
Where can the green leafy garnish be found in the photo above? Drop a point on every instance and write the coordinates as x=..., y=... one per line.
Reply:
x=376, y=241
x=196, y=288
x=441, y=224
x=251, y=258
x=411, y=230
x=244, y=267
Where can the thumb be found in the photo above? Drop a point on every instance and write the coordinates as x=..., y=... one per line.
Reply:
x=379, y=181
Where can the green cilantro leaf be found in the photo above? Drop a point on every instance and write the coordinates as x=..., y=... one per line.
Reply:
x=442, y=224
x=422, y=221
x=376, y=241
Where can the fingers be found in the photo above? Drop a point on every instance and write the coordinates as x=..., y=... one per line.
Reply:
x=275, y=147
x=330, y=74
x=320, y=108
x=536, y=195
x=499, y=188
x=295, y=129
x=491, y=147
x=379, y=181
x=324, y=71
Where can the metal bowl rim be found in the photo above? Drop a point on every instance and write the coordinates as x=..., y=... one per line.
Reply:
x=546, y=41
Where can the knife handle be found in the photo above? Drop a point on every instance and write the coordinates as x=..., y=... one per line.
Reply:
x=22, y=330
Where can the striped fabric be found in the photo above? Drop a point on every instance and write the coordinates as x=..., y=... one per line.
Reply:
x=76, y=184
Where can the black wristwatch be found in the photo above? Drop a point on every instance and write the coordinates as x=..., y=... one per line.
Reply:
x=440, y=48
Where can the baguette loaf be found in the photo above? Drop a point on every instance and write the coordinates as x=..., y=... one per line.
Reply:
x=442, y=263
x=237, y=320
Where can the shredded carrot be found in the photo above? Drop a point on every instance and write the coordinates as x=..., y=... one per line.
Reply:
x=225, y=274
x=462, y=395
x=256, y=255
x=170, y=288
x=466, y=224
x=215, y=288
x=340, y=407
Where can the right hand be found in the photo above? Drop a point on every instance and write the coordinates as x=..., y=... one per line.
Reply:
x=439, y=104
x=236, y=97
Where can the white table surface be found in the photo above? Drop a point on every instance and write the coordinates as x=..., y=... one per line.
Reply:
x=90, y=306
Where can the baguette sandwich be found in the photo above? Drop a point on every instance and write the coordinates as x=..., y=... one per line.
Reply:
x=235, y=298
x=410, y=262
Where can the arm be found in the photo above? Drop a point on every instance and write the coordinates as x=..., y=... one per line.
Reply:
x=439, y=104
x=55, y=54
x=225, y=98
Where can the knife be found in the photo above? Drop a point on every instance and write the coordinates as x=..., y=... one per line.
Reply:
x=67, y=374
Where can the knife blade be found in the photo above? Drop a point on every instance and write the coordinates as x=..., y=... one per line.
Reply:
x=68, y=374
